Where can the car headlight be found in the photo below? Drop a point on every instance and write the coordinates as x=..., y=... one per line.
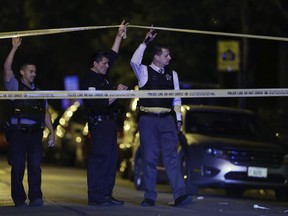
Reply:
x=216, y=152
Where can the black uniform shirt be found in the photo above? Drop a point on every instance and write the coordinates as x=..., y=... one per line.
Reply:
x=99, y=82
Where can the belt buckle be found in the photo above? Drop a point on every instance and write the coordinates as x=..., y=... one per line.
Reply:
x=143, y=109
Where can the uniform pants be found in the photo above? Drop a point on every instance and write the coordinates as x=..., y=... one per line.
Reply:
x=160, y=133
x=102, y=162
x=22, y=146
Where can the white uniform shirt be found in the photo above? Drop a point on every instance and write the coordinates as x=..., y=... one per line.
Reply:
x=141, y=73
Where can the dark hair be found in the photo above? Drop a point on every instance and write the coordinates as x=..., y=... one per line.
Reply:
x=23, y=65
x=157, y=49
x=98, y=56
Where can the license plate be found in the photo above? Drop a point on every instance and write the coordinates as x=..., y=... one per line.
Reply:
x=258, y=172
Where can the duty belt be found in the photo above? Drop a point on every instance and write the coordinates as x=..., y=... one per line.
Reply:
x=154, y=109
x=29, y=128
x=155, y=114
x=161, y=115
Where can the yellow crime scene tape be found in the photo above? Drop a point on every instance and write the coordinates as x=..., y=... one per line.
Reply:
x=277, y=92
x=83, y=94
x=29, y=33
x=74, y=29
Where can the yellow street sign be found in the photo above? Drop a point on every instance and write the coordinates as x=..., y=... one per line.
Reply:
x=228, y=56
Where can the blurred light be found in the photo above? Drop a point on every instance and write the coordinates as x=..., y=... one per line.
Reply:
x=85, y=130
x=59, y=127
x=226, y=168
x=69, y=113
x=59, y=133
x=77, y=103
x=70, y=83
x=126, y=127
x=75, y=106
x=186, y=86
x=62, y=121
x=134, y=104
x=215, y=21
x=45, y=133
x=216, y=152
x=78, y=139
x=277, y=134
x=54, y=115
x=184, y=107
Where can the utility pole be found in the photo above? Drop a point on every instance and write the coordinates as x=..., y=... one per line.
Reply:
x=242, y=76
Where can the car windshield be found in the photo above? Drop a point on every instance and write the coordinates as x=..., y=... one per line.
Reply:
x=227, y=124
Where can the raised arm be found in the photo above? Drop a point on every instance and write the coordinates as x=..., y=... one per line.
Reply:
x=120, y=34
x=8, y=72
x=136, y=60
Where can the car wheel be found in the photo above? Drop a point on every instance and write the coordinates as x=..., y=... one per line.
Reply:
x=234, y=192
x=138, y=174
x=281, y=194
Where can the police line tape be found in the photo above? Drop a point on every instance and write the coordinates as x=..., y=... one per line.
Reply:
x=85, y=28
x=50, y=31
x=99, y=94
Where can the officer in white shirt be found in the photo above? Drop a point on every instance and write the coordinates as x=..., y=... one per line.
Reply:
x=159, y=122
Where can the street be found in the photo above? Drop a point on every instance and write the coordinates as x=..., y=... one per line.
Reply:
x=65, y=193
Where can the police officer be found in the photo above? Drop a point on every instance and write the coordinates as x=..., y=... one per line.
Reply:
x=158, y=123
x=24, y=132
x=102, y=114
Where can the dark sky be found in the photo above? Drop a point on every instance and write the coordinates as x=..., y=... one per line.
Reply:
x=194, y=55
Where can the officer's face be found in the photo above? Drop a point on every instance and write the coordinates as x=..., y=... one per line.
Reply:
x=28, y=74
x=164, y=58
x=102, y=66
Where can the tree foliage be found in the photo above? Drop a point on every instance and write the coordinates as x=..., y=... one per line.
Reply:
x=193, y=55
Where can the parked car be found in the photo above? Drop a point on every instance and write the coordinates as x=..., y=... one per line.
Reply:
x=3, y=142
x=128, y=136
x=125, y=146
x=225, y=148
x=73, y=138
x=71, y=133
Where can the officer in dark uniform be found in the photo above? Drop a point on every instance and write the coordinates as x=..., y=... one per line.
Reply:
x=159, y=120
x=102, y=116
x=24, y=132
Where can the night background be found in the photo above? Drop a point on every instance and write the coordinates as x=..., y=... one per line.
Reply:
x=263, y=63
